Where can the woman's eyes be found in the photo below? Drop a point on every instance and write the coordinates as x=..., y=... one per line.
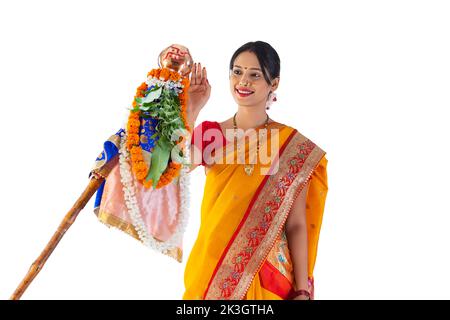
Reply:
x=254, y=75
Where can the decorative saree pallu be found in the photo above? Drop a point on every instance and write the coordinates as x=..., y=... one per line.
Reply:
x=146, y=193
x=241, y=251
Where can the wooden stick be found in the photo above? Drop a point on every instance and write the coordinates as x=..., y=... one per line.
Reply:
x=68, y=220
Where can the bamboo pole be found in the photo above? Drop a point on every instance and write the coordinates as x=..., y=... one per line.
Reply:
x=68, y=220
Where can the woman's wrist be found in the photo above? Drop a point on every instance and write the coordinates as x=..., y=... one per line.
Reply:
x=301, y=292
x=192, y=118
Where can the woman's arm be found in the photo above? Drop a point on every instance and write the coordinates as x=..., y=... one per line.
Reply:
x=297, y=236
x=198, y=94
x=192, y=118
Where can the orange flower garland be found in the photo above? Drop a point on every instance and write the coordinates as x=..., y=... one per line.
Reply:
x=138, y=165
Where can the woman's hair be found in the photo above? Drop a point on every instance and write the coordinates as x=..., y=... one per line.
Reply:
x=267, y=57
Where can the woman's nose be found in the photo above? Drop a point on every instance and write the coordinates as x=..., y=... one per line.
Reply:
x=244, y=78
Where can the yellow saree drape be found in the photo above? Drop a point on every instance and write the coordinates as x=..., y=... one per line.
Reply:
x=241, y=251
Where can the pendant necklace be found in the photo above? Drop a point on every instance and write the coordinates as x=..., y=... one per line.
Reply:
x=248, y=168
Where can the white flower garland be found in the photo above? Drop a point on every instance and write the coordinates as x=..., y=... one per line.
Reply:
x=176, y=86
x=129, y=192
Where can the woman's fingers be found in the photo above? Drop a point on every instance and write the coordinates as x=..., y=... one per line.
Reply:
x=204, y=76
x=193, y=73
x=198, y=75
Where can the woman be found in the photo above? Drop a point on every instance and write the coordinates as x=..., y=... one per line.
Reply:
x=259, y=229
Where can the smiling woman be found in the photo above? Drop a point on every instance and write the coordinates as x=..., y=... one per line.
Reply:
x=252, y=64
x=259, y=228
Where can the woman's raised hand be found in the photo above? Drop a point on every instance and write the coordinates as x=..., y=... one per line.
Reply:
x=199, y=90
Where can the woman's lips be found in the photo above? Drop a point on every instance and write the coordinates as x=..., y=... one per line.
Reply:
x=243, y=93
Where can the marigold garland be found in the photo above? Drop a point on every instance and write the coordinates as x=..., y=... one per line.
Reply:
x=138, y=165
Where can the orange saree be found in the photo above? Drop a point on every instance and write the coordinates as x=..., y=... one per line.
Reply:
x=241, y=251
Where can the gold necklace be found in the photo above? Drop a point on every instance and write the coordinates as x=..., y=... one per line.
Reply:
x=248, y=168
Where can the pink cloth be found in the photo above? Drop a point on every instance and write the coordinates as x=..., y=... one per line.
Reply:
x=159, y=207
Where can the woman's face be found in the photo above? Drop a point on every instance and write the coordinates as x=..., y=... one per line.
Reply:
x=247, y=83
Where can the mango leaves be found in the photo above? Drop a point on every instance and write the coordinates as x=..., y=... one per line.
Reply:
x=164, y=105
x=153, y=94
x=160, y=160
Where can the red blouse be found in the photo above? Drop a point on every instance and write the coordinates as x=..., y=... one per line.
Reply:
x=201, y=137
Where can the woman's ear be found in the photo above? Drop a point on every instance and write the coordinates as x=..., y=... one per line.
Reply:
x=275, y=83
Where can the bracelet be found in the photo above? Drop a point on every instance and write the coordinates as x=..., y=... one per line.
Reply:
x=301, y=292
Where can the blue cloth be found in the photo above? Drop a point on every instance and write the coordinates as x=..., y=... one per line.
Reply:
x=148, y=140
x=110, y=150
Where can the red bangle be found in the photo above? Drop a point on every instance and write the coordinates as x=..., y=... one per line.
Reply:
x=301, y=292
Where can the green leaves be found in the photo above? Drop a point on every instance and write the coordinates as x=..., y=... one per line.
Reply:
x=147, y=106
x=168, y=113
x=153, y=94
x=166, y=109
x=160, y=160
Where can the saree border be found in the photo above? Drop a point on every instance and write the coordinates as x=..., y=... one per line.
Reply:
x=264, y=219
x=112, y=221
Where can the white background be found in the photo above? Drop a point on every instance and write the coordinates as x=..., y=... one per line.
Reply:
x=368, y=81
